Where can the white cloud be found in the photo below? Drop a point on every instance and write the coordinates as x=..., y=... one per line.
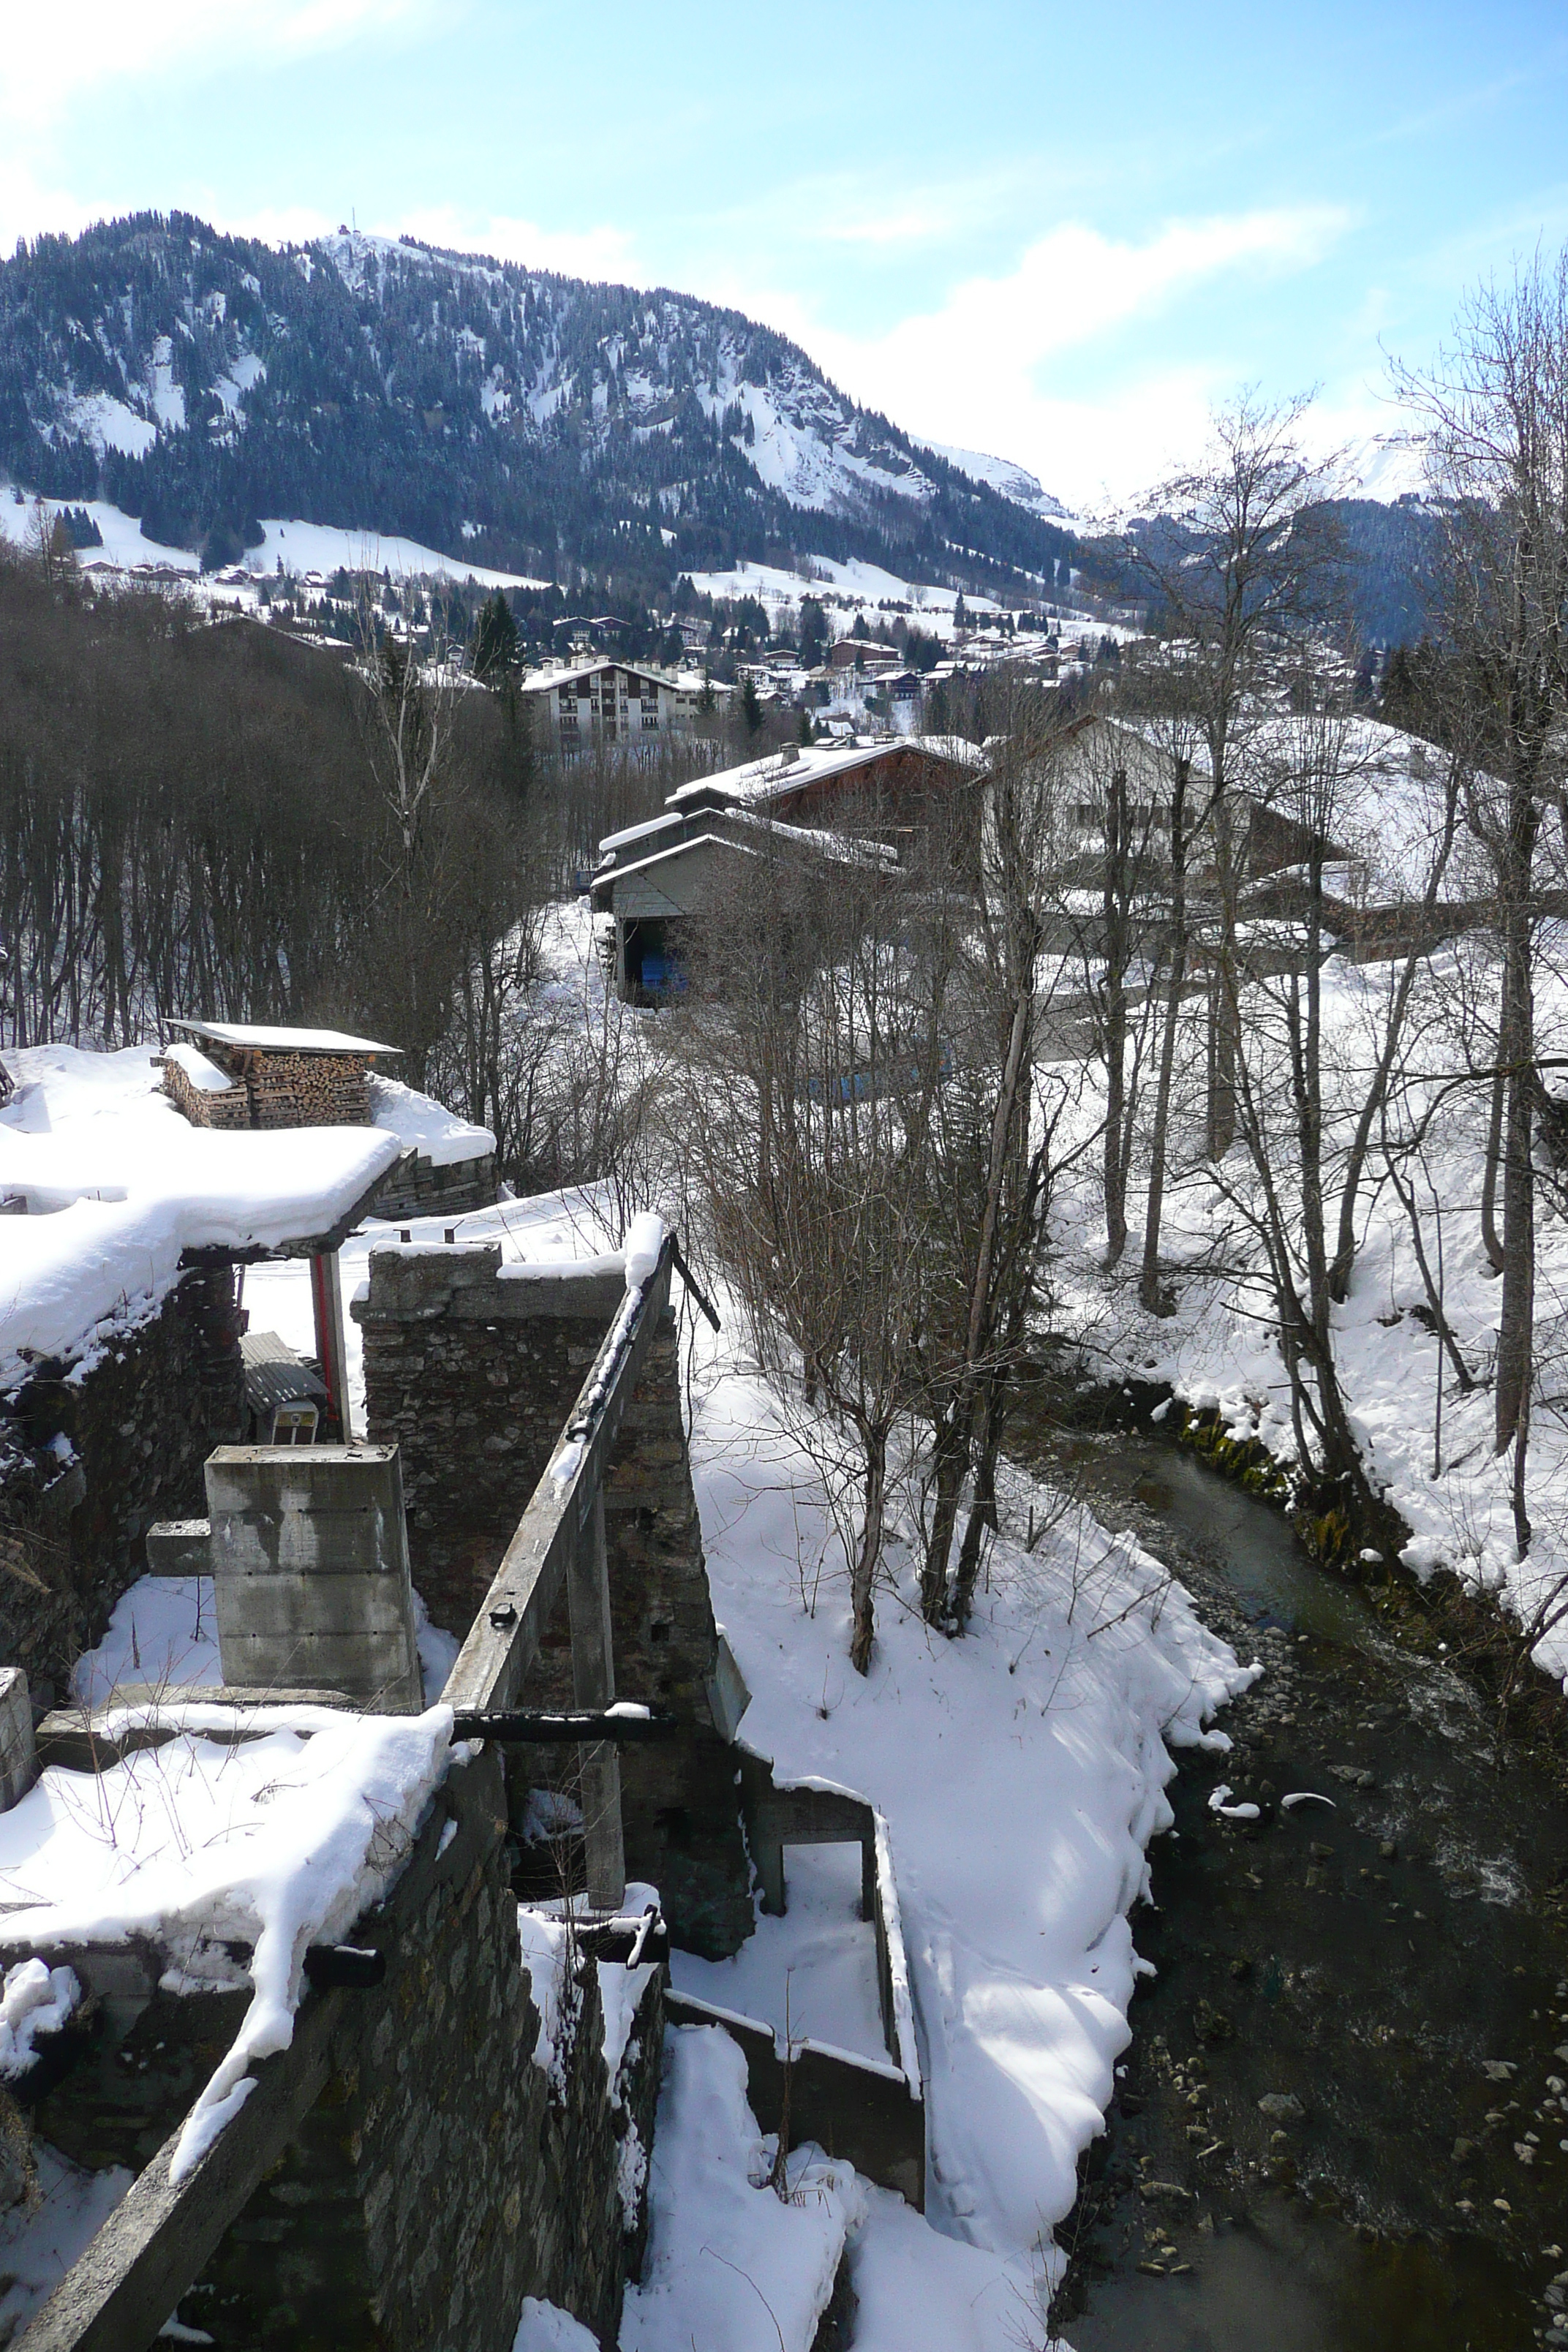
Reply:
x=51, y=56
x=972, y=373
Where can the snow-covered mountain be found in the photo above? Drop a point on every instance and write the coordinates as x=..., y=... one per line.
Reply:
x=538, y=423
x=1000, y=474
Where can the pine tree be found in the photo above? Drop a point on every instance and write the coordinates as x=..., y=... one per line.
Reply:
x=494, y=653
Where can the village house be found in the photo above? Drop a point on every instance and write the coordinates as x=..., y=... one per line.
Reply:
x=832, y=800
x=602, y=701
x=1368, y=799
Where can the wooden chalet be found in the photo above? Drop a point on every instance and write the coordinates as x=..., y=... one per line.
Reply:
x=833, y=801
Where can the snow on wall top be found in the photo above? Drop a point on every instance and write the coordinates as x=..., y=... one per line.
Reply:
x=118, y=1185
x=280, y=1844
x=421, y=1125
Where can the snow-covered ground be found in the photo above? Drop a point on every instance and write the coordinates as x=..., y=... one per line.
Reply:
x=811, y=1973
x=1432, y=1454
x=297, y=547
x=842, y=589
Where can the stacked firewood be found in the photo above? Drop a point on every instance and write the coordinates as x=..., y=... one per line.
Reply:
x=271, y=1089
x=202, y=1106
x=308, y=1091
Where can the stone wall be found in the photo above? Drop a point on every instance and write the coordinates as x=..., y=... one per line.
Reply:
x=416, y=1186
x=471, y=1370
x=140, y=1419
x=443, y=2175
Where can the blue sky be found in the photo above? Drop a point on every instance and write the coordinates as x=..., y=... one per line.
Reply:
x=1056, y=233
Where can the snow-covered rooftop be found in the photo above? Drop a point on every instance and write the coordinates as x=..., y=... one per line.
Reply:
x=1384, y=799
x=768, y=778
x=263, y=1040
x=118, y=1186
x=579, y=673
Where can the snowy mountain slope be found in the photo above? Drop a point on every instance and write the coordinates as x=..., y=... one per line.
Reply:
x=1000, y=474
x=200, y=382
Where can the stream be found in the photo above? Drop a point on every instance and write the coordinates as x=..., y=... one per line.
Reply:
x=1342, y=2123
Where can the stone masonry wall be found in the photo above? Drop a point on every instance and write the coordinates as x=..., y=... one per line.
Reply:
x=471, y=1371
x=443, y=2175
x=140, y=1418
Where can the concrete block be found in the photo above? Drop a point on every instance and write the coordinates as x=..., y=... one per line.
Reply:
x=178, y=1548
x=310, y=1558
x=18, y=1763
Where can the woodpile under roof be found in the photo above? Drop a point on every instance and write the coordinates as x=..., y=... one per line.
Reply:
x=230, y=1075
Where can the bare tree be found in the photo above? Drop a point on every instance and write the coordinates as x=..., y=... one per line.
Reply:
x=1246, y=562
x=813, y=1062
x=1497, y=404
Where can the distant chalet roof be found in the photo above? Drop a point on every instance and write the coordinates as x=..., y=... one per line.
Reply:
x=545, y=681
x=783, y=772
x=246, y=1038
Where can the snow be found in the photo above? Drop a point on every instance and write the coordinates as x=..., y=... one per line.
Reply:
x=426, y=1127
x=285, y=1040
x=543, y=2327
x=645, y=1237
x=840, y=587
x=1218, y=1353
x=1014, y=482
x=732, y=2268
x=118, y=1186
x=1384, y=467
x=204, y=1076
x=327, y=548
x=729, y=2262
x=97, y=419
x=276, y=1843
x=40, y=2245
x=163, y=1637
x=123, y=549
x=301, y=547
x=1020, y=1773
x=35, y=1999
x=811, y=1974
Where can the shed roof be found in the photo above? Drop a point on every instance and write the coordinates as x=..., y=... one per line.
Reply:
x=251, y=1038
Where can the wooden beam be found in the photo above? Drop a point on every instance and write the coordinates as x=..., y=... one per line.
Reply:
x=594, y=1684
x=160, y=2237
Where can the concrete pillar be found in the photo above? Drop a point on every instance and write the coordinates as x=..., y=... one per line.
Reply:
x=309, y=1562
x=331, y=1348
x=594, y=1684
x=18, y=1764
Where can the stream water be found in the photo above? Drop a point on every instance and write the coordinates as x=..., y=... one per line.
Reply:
x=1342, y=2123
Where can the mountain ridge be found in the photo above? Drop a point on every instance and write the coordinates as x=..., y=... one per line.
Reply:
x=542, y=424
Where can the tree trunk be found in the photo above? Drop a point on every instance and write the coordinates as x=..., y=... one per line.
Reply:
x=863, y=1577
x=1492, y=1240
x=1149, y=1278
x=1516, y=1318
